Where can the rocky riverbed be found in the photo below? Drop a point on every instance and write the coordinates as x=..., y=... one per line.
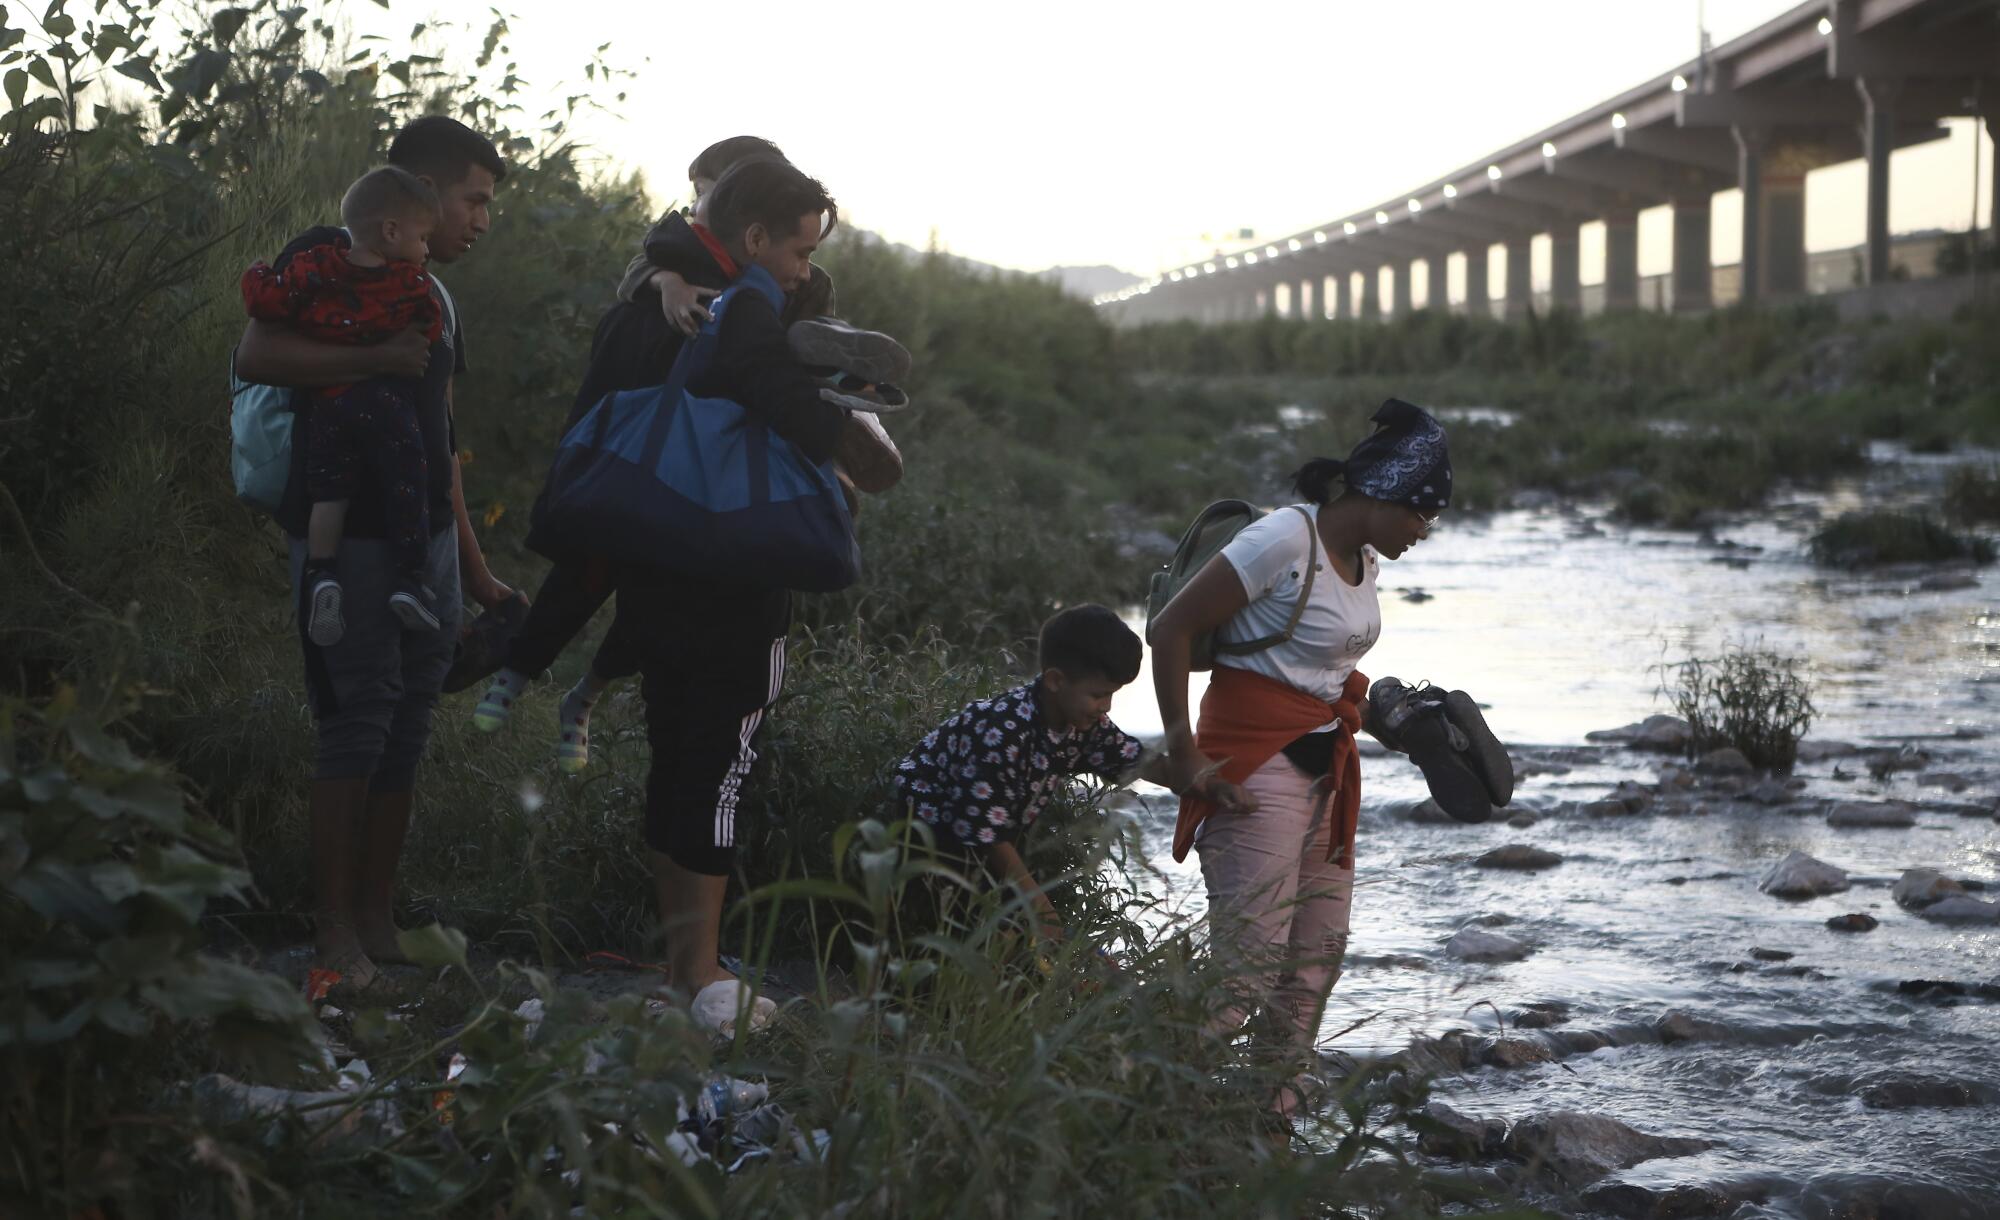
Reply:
x=1674, y=986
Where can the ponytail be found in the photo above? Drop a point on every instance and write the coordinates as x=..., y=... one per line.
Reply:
x=1315, y=479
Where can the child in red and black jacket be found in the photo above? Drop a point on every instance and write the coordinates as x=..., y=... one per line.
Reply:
x=367, y=292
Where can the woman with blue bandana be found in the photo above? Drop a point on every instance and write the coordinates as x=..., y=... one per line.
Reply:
x=1277, y=724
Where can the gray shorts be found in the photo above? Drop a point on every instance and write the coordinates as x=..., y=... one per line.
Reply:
x=373, y=692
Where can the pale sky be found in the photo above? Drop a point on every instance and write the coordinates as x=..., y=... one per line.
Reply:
x=1041, y=132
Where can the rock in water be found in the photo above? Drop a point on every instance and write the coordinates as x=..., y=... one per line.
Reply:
x=1580, y=1148
x=1856, y=922
x=1918, y=888
x=1800, y=876
x=1668, y=734
x=1950, y=781
x=1870, y=813
x=1770, y=792
x=1726, y=761
x=1909, y=1090
x=1472, y=945
x=1677, y=1026
x=1683, y=1202
x=1961, y=908
x=1446, y=1132
x=1518, y=855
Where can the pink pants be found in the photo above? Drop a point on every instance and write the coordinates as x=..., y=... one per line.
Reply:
x=1276, y=904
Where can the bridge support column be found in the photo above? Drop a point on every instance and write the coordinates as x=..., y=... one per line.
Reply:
x=1520, y=280
x=1400, y=283
x=1371, y=295
x=1993, y=187
x=1565, y=267
x=1785, y=227
x=1878, y=139
x=1437, y=283
x=1751, y=144
x=1693, y=279
x=1478, y=297
x=1621, y=260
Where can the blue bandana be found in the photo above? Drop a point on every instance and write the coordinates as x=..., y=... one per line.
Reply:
x=1404, y=461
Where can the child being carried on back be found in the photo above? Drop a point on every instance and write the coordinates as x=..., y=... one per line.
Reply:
x=365, y=293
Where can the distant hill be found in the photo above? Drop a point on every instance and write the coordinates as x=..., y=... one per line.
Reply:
x=1084, y=282
x=1089, y=282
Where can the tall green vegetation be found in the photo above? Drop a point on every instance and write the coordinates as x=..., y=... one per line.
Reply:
x=1670, y=418
x=1750, y=698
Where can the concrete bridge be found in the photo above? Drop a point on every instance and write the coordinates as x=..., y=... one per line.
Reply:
x=1829, y=81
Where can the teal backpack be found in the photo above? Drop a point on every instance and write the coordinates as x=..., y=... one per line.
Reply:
x=260, y=441
x=1213, y=528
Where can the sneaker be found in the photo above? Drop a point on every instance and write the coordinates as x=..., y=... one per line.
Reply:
x=720, y=1005
x=863, y=397
x=411, y=603
x=324, y=622
x=865, y=452
x=1413, y=720
x=481, y=650
x=833, y=345
x=1488, y=757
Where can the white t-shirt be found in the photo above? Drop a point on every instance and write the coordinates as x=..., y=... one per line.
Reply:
x=1340, y=624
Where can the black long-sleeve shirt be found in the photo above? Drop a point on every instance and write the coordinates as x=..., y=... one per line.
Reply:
x=753, y=363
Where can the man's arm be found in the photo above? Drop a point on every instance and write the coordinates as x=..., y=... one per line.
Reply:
x=1006, y=860
x=270, y=354
x=473, y=574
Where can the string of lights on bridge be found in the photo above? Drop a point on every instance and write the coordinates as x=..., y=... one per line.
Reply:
x=1348, y=228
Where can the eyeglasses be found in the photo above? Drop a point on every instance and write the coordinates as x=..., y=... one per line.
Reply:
x=1430, y=520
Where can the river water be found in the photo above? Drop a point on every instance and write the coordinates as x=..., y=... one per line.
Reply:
x=1558, y=620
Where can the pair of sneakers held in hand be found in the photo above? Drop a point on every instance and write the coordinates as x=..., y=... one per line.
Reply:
x=1467, y=768
x=858, y=369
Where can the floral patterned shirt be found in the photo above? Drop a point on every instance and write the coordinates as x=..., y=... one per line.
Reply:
x=985, y=775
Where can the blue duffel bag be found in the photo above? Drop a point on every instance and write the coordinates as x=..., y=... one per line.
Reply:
x=699, y=486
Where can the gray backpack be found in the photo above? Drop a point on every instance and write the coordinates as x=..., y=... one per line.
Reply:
x=1212, y=530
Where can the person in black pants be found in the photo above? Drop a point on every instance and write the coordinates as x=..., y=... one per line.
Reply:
x=711, y=658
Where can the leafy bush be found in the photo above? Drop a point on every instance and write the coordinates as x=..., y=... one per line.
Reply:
x=1752, y=698
x=1874, y=537
x=105, y=874
x=1972, y=494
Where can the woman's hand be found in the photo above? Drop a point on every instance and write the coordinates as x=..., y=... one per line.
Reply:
x=681, y=303
x=1195, y=775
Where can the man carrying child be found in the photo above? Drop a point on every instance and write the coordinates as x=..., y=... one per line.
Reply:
x=373, y=692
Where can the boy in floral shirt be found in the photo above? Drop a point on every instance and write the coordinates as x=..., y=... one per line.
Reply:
x=982, y=778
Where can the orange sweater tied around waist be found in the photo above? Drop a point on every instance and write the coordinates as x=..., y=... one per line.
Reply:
x=1246, y=718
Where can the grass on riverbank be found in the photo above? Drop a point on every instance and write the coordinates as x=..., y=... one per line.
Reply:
x=1872, y=539
x=1670, y=418
x=946, y=1069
